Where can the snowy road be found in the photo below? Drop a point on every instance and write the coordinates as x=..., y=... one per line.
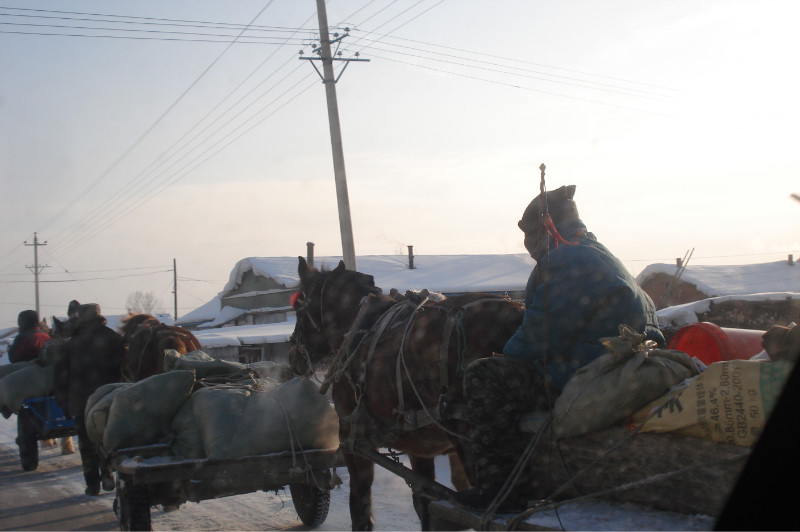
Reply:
x=51, y=498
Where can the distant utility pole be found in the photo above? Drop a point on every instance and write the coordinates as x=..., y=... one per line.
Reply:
x=36, y=268
x=325, y=55
x=175, y=286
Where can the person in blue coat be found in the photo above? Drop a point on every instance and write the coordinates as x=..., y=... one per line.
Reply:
x=577, y=293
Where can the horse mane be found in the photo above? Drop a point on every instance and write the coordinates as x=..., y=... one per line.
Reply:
x=131, y=322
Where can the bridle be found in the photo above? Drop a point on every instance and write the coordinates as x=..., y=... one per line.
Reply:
x=305, y=318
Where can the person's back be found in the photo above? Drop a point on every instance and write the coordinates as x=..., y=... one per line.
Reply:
x=30, y=339
x=90, y=358
x=578, y=293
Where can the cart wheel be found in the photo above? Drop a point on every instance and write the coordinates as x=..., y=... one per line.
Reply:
x=132, y=507
x=311, y=503
x=28, y=442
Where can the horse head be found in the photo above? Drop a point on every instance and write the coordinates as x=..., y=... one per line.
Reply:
x=61, y=329
x=131, y=323
x=326, y=306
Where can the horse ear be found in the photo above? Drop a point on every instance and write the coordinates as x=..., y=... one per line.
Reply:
x=302, y=266
x=340, y=266
x=304, y=270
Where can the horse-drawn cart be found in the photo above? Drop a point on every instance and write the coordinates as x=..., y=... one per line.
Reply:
x=150, y=475
x=40, y=419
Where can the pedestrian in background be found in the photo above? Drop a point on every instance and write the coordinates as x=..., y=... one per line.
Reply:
x=30, y=339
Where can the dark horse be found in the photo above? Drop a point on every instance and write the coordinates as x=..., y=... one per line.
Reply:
x=397, y=369
x=147, y=338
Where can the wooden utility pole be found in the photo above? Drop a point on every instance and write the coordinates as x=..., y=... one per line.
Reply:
x=329, y=80
x=36, y=268
x=175, y=287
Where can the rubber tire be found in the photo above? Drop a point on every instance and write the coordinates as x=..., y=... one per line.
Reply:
x=28, y=442
x=310, y=503
x=133, y=507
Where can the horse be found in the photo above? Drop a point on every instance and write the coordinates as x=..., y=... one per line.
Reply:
x=146, y=339
x=396, y=370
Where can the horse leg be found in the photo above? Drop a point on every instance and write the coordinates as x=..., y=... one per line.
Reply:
x=362, y=473
x=426, y=468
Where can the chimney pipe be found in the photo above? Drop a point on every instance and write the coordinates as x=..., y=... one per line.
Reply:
x=678, y=262
x=791, y=259
x=310, y=253
x=410, y=257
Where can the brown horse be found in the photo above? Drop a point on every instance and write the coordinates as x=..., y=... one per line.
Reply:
x=147, y=338
x=397, y=369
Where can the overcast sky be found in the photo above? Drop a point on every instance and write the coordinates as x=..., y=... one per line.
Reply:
x=132, y=134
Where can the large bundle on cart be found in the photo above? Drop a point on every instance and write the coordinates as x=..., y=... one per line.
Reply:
x=21, y=381
x=177, y=437
x=690, y=442
x=682, y=451
x=233, y=410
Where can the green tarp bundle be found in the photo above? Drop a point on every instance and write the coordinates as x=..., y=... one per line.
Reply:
x=24, y=382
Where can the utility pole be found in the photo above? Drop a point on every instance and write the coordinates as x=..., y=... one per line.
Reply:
x=175, y=287
x=329, y=80
x=36, y=268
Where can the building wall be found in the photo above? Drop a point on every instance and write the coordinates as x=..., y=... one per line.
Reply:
x=277, y=297
x=754, y=315
x=275, y=352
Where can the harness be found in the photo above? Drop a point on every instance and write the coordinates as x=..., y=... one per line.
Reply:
x=363, y=339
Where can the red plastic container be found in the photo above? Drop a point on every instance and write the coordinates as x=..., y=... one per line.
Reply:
x=712, y=343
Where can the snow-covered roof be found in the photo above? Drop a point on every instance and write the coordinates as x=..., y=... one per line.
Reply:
x=686, y=314
x=203, y=314
x=246, y=334
x=439, y=273
x=737, y=279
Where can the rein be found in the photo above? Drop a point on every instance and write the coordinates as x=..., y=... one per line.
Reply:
x=402, y=313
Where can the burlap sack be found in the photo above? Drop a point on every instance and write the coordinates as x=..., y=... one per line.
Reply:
x=187, y=439
x=614, y=386
x=729, y=402
x=293, y=416
x=201, y=363
x=782, y=343
x=142, y=413
x=24, y=383
x=97, y=406
x=269, y=369
x=7, y=369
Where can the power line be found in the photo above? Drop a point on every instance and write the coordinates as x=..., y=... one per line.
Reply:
x=152, y=126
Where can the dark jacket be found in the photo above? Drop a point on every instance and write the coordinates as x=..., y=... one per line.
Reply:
x=27, y=345
x=91, y=358
x=576, y=295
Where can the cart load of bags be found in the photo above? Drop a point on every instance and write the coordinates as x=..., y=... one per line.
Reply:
x=664, y=390
x=21, y=381
x=217, y=409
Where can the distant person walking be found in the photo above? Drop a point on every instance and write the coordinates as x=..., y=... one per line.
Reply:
x=91, y=358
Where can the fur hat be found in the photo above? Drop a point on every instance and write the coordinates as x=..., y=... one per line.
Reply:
x=73, y=307
x=27, y=319
x=89, y=312
x=560, y=205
